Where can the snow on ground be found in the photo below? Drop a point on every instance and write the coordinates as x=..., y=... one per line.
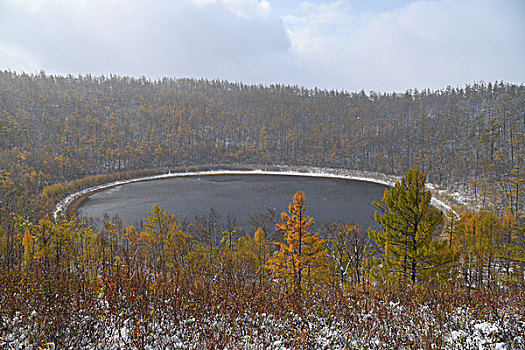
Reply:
x=438, y=199
x=377, y=325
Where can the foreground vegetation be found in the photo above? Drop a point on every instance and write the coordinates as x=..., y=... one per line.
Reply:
x=141, y=311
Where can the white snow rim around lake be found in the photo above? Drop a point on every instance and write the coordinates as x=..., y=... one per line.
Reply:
x=365, y=176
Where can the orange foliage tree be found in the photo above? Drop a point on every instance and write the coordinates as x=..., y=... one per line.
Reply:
x=302, y=255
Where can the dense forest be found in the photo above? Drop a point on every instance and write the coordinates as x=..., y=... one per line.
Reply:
x=56, y=129
x=287, y=281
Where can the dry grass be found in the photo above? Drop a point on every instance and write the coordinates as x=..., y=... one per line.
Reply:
x=158, y=311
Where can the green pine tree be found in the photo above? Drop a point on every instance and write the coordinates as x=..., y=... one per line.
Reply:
x=407, y=244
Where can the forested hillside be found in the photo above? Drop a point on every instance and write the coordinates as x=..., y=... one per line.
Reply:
x=64, y=128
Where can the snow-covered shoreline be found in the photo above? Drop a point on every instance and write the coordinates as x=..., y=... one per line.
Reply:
x=356, y=175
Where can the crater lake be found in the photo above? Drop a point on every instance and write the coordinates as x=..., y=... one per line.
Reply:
x=239, y=196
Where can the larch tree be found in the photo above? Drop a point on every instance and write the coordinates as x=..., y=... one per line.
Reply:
x=511, y=250
x=407, y=241
x=176, y=246
x=44, y=238
x=491, y=247
x=158, y=226
x=29, y=247
x=302, y=255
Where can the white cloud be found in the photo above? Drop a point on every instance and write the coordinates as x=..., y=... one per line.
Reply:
x=155, y=38
x=32, y=5
x=16, y=58
x=427, y=43
x=424, y=44
x=243, y=8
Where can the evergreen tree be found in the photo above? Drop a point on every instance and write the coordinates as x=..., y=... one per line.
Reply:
x=407, y=242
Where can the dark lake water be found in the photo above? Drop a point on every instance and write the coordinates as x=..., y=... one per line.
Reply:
x=328, y=199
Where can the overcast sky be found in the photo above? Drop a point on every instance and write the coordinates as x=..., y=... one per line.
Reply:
x=390, y=45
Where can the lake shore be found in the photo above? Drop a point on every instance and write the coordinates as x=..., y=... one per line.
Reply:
x=70, y=204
